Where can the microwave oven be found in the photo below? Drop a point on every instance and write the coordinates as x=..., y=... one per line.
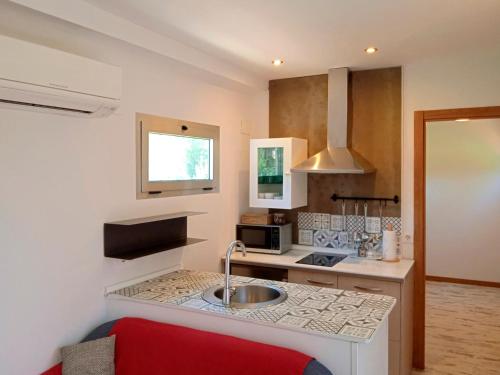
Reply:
x=268, y=239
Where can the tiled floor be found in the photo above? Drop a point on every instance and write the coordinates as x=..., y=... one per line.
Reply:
x=462, y=330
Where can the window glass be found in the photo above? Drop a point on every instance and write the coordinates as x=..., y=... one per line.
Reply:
x=179, y=158
x=176, y=157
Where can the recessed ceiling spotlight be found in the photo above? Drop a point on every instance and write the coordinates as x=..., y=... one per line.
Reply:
x=277, y=62
x=462, y=119
x=371, y=50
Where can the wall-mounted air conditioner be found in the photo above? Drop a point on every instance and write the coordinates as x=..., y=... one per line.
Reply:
x=38, y=78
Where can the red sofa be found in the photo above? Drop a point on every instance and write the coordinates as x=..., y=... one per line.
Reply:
x=153, y=348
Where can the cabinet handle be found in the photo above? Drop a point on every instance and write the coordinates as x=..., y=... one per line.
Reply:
x=320, y=282
x=366, y=289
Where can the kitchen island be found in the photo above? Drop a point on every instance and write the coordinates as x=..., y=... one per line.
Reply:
x=351, y=273
x=347, y=331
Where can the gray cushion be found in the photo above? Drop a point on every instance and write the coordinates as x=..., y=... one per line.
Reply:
x=95, y=357
x=99, y=332
x=316, y=368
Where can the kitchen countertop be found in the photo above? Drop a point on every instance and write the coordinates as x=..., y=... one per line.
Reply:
x=350, y=265
x=345, y=315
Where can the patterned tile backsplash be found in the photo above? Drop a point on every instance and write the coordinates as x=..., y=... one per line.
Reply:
x=325, y=230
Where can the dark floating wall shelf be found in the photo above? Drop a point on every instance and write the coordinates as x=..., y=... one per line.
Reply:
x=135, y=238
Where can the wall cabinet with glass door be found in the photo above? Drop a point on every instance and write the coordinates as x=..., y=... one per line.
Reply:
x=272, y=184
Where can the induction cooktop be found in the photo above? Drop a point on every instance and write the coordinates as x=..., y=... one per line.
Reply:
x=322, y=259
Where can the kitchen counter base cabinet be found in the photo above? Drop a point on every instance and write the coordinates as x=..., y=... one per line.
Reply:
x=400, y=319
x=268, y=273
x=316, y=278
x=374, y=286
x=339, y=356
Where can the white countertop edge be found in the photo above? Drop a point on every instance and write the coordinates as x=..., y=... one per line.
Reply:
x=392, y=271
x=322, y=249
x=258, y=322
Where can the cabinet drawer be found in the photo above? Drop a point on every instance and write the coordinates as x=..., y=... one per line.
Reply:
x=320, y=279
x=374, y=286
x=268, y=273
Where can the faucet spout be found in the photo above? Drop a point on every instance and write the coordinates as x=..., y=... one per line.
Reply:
x=226, y=296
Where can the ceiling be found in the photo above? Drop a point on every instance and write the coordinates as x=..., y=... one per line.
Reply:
x=314, y=35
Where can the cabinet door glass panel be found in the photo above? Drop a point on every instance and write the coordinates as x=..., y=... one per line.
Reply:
x=270, y=172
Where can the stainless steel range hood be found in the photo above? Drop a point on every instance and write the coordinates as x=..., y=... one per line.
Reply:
x=337, y=157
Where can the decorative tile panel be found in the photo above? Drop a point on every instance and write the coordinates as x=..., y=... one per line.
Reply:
x=306, y=237
x=315, y=304
x=337, y=222
x=376, y=304
x=147, y=295
x=367, y=322
x=395, y=221
x=341, y=308
x=294, y=321
x=304, y=312
x=321, y=221
x=325, y=221
x=360, y=332
x=326, y=315
x=355, y=223
x=305, y=220
x=317, y=221
x=327, y=229
x=323, y=311
x=373, y=225
x=326, y=238
x=267, y=316
x=378, y=314
x=318, y=296
x=343, y=238
x=327, y=327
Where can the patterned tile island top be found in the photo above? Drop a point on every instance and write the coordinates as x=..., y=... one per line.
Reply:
x=346, y=315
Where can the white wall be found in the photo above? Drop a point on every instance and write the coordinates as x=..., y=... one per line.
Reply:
x=62, y=178
x=463, y=199
x=465, y=79
x=91, y=17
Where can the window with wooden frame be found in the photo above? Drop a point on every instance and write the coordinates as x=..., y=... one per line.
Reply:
x=176, y=157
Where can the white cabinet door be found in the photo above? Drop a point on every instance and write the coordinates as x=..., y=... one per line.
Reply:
x=272, y=185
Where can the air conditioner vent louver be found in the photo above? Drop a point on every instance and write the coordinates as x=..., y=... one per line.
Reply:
x=45, y=106
x=84, y=88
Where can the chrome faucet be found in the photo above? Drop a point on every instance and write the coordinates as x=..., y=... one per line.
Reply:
x=226, y=296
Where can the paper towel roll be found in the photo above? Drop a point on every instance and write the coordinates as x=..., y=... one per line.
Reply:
x=389, y=246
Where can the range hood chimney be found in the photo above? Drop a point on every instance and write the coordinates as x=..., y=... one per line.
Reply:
x=337, y=157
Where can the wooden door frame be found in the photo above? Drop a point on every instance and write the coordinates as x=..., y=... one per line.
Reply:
x=420, y=120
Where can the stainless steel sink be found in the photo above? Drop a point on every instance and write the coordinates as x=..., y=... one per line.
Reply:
x=247, y=296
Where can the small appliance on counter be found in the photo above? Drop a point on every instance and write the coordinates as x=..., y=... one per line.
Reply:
x=390, y=245
x=256, y=218
x=265, y=238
